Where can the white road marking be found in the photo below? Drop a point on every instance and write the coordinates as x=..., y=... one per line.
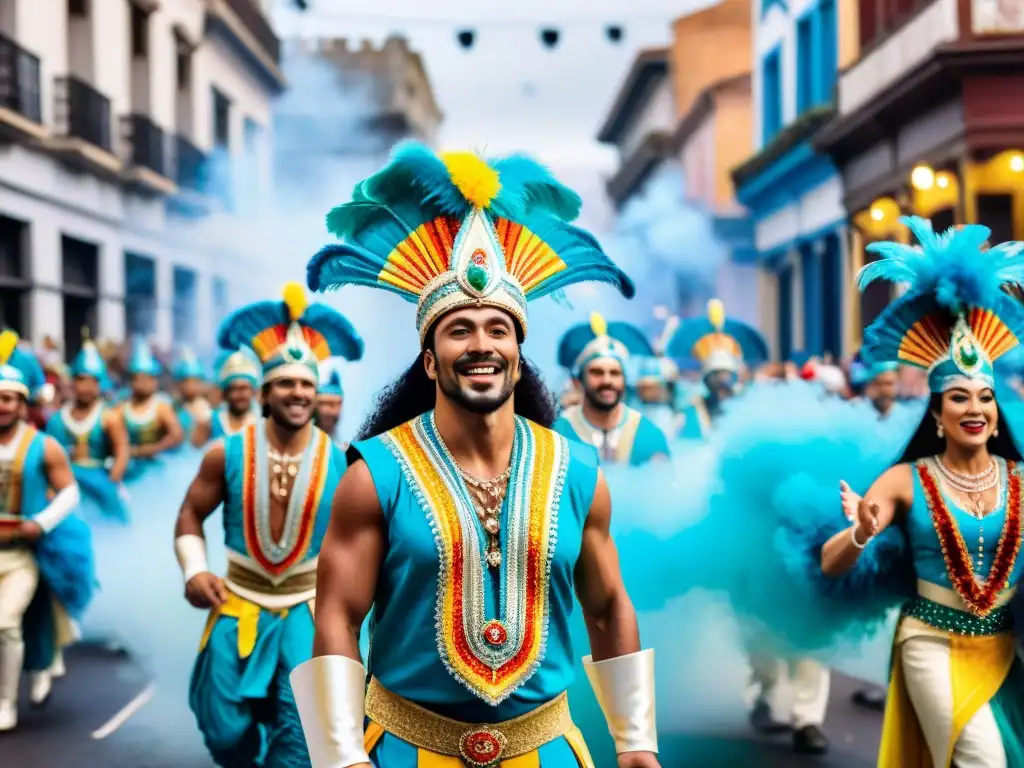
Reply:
x=122, y=717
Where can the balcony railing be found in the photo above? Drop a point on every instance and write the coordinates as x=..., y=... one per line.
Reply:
x=19, y=81
x=252, y=17
x=191, y=165
x=83, y=112
x=148, y=145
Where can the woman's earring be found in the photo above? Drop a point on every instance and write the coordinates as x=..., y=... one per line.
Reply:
x=940, y=431
x=995, y=432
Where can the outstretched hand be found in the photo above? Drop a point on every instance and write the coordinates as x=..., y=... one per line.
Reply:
x=850, y=500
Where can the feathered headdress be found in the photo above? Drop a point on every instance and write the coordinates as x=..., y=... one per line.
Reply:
x=718, y=343
x=584, y=343
x=89, y=361
x=20, y=371
x=956, y=318
x=188, y=365
x=143, y=361
x=454, y=231
x=332, y=383
x=290, y=336
x=239, y=365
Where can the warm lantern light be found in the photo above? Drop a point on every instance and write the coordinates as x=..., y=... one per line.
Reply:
x=877, y=213
x=1017, y=163
x=923, y=178
x=942, y=180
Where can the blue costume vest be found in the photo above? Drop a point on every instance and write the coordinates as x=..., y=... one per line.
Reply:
x=84, y=448
x=143, y=429
x=501, y=641
x=635, y=441
x=922, y=521
x=696, y=421
x=221, y=427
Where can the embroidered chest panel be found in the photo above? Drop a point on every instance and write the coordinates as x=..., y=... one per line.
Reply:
x=492, y=656
x=615, y=445
x=80, y=433
x=143, y=426
x=979, y=596
x=11, y=475
x=276, y=557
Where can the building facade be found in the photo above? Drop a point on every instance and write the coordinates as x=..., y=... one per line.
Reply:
x=928, y=121
x=129, y=126
x=686, y=109
x=793, y=192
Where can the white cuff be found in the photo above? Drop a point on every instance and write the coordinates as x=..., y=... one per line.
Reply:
x=624, y=686
x=330, y=693
x=63, y=504
x=191, y=552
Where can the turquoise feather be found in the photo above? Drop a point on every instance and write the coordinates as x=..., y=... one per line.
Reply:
x=689, y=332
x=246, y=323
x=576, y=338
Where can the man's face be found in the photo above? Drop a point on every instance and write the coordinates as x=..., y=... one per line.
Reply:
x=328, y=412
x=604, y=383
x=651, y=391
x=190, y=388
x=475, y=358
x=143, y=385
x=238, y=395
x=86, y=389
x=882, y=390
x=721, y=384
x=12, y=409
x=290, y=402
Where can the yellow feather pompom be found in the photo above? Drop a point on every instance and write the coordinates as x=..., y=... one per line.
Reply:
x=295, y=299
x=716, y=313
x=598, y=324
x=475, y=179
x=8, y=342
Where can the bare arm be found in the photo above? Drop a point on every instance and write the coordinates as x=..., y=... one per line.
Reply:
x=204, y=495
x=57, y=466
x=350, y=559
x=120, y=445
x=201, y=433
x=173, y=434
x=607, y=609
x=889, y=495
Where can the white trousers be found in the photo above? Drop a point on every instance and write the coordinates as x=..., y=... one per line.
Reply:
x=19, y=577
x=929, y=682
x=808, y=682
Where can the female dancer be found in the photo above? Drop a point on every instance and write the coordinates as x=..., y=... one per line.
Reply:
x=956, y=693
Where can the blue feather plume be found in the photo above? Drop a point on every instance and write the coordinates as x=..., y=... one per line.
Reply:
x=30, y=368
x=576, y=338
x=244, y=324
x=689, y=332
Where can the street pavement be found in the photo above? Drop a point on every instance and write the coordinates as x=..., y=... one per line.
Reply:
x=86, y=725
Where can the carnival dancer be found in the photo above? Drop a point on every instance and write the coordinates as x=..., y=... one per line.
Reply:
x=329, y=400
x=46, y=568
x=239, y=373
x=655, y=392
x=449, y=518
x=148, y=415
x=93, y=436
x=275, y=479
x=597, y=354
x=956, y=691
x=724, y=347
x=192, y=408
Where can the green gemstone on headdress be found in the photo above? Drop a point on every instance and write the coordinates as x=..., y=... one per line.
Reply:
x=965, y=353
x=476, y=276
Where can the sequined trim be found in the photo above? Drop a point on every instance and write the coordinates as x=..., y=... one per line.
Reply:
x=276, y=557
x=11, y=513
x=948, y=619
x=424, y=729
x=539, y=464
x=616, y=444
x=80, y=431
x=143, y=428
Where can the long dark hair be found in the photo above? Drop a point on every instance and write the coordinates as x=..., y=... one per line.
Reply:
x=926, y=441
x=414, y=393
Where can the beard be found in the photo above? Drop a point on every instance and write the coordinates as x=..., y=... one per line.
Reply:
x=477, y=402
x=594, y=401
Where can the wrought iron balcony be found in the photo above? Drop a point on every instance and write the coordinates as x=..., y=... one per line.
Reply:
x=191, y=165
x=83, y=113
x=252, y=17
x=148, y=145
x=19, y=81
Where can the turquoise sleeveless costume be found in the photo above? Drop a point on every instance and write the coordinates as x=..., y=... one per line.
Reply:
x=143, y=432
x=413, y=662
x=245, y=659
x=641, y=438
x=696, y=421
x=219, y=426
x=99, y=493
x=64, y=555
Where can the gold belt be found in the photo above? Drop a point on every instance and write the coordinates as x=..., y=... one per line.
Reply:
x=293, y=585
x=478, y=745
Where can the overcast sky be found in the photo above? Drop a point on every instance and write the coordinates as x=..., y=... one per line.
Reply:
x=509, y=92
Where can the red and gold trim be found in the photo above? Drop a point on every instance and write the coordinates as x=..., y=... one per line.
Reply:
x=314, y=494
x=981, y=598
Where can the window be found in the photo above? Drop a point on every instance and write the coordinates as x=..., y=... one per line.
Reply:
x=78, y=7
x=996, y=211
x=806, y=64
x=139, y=294
x=828, y=51
x=184, y=305
x=80, y=263
x=182, y=62
x=771, y=96
x=834, y=285
x=139, y=31
x=12, y=261
x=810, y=268
x=785, y=296
x=221, y=119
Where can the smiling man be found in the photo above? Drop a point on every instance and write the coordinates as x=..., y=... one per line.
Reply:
x=275, y=479
x=464, y=522
x=597, y=354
